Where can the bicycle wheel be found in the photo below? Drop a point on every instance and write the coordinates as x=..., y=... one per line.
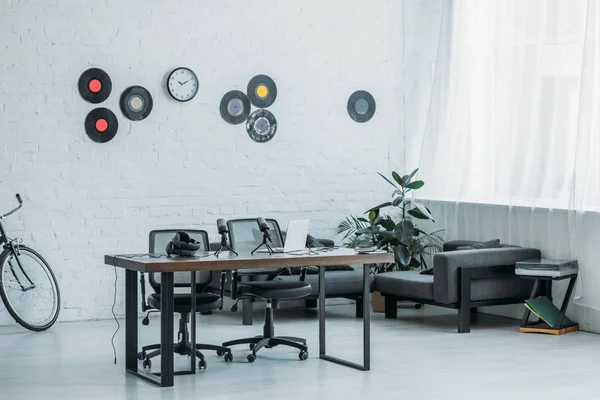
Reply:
x=29, y=289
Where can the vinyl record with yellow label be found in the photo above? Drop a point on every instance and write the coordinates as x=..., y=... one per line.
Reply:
x=262, y=91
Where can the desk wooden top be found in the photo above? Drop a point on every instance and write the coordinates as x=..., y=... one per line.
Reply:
x=229, y=261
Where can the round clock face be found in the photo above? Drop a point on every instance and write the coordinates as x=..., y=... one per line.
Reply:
x=182, y=84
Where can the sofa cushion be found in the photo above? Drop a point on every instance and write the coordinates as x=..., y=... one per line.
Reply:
x=410, y=284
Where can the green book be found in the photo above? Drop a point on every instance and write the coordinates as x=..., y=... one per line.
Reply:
x=543, y=307
x=533, y=311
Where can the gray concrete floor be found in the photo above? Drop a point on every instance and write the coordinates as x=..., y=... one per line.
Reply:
x=417, y=356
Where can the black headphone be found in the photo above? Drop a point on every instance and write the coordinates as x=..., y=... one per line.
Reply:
x=182, y=245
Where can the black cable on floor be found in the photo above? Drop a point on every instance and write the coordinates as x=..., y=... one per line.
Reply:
x=112, y=340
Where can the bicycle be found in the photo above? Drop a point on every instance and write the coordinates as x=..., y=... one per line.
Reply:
x=28, y=287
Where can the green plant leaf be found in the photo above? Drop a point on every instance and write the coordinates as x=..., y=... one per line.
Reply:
x=390, y=182
x=388, y=223
x=402, y=255
x=397, y=201
x=398, y=192
x=383, y=205
x=414, y=263
x=397, y=178
x=415, y=185
x=361, y=219
x=412, y=174
x=417, y=214
x=423, y=210
x=404, y=230
x=373, y=230
x=387, y=235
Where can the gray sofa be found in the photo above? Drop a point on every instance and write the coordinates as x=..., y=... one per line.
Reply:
x=340, y=282
x=462, y=278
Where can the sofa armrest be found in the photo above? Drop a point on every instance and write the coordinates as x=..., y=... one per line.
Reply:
x=484, y=263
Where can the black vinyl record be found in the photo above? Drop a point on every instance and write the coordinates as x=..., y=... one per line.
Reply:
x=136, y=103
x=261, y=126
x=361, y=106
x=235, y=107
x=262, y=91
x=101, y=125
x=94, y=85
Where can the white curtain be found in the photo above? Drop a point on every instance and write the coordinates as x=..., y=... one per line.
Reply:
x=511, y=143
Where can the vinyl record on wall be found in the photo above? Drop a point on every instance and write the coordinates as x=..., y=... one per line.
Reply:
x=136, y=103
x=235, y=107
x=361, y=106
x=262, y=91
x=94, y=85
x=101, y=125
x=261, y=126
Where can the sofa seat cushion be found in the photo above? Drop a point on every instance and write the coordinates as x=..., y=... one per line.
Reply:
x=410, y=284
x=337, y=283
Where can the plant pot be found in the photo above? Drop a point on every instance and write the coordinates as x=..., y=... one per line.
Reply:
x=377, y=302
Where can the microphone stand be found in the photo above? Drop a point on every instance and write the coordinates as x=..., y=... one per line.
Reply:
x=224, y=246
x=265, y=242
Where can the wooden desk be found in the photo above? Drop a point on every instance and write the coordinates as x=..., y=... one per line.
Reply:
x=207, y=262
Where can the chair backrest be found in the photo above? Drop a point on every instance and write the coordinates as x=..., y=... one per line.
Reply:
x=157, y=244
x=245, y=235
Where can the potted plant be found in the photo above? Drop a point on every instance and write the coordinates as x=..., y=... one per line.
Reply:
x=396, y=231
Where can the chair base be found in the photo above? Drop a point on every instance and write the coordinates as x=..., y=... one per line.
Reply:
x=184, y=347
x=268, y=339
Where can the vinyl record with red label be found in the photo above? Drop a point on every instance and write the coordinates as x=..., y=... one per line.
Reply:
x=261, y=126
x=235, y=107
x=101, y=125
x=262, y=91
x=94, y=85
x=136, y=103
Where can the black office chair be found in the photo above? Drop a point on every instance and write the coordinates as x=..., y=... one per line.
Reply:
x=244, y=236
x=205, y=301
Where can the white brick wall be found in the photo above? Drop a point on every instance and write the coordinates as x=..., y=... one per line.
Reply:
x=184, y=166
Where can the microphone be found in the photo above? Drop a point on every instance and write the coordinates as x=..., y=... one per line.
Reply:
x=263, y=226
x=222, y=226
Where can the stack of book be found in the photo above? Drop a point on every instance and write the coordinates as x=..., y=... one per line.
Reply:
x=547, y=268
x=543, y=308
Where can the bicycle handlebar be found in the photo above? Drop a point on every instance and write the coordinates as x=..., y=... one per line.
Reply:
x=20, y=200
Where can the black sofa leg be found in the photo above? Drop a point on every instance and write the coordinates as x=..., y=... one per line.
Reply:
x=359, y=309
x=464, y=305
x=247, y=311
x=391, y=306
x=311, y=303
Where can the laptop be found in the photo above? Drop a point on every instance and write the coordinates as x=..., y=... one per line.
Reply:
x=295, y=239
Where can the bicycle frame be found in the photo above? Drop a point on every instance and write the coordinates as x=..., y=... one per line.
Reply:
x=9, y=245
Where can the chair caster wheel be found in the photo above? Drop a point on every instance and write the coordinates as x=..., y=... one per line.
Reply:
x=220, y=353
x=141, y=355
x=303, y=355
x=147, y=363
x=228, y=357
x=201, y=364
x=251, y=346
x=251, y=358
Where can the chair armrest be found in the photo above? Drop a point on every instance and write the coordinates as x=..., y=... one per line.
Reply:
x=483, y=263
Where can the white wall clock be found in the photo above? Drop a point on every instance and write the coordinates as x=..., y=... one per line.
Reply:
x=182, y=84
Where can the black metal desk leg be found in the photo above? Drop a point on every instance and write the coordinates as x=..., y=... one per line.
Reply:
x=193, y=320
x=366, y=366
x=321, y=311
x=131, y=328
x=366, y=301
x=167, y=368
